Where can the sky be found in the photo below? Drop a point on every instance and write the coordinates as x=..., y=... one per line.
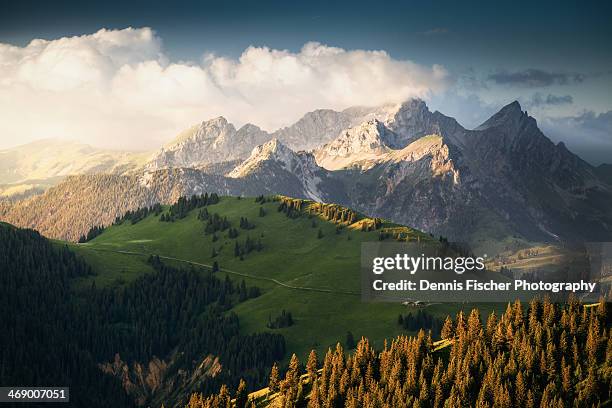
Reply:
x=131, y=75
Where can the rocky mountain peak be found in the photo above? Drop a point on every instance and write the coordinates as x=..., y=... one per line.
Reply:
x=400, y=162
x=370, y=134
x=413, y=106
x=275, y=164
x=510, y=116
x=208, y=129
x=412, y=120
x=315, y=128
x=212, y=141
x=364, y=141
x=219, y=121
x=272, y=150
x=249, y=128
x=213, y=128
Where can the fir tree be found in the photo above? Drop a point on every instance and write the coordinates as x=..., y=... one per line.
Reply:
x=448, y=331
x=274, y=381
x=311, y=365
x=242, y=395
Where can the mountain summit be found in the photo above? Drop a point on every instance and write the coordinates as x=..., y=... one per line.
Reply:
x=363, y=142
x=218, y=141
x=503, y=181
x=509, y=119
x=212, y=141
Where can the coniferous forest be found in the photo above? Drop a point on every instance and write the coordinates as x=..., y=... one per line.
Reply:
x=298, y=204
x=171, y=336
x=52, y=334
x=536, y=355
x=40, y=322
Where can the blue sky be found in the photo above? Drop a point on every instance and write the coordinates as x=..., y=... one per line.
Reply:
x=554, y=57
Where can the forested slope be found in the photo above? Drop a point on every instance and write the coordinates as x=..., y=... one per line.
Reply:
x=38, y=345
x=542, y=355
x=158, y=337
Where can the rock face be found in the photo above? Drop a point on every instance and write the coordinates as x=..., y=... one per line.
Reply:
x=213, y=141
x=360, y=144
x=152, y=383
x=292, y=172
x=536, y=182
x=316, y=128
x=504, y=179
x=411, y=121
x=216, y=140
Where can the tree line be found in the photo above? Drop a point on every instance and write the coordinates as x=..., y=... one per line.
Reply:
x=184, y=205
x=176, y=211
x=139, y=214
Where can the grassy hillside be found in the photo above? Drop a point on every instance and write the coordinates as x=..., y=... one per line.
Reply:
x=314, y=277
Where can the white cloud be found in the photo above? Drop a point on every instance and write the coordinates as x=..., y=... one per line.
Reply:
x=116, y=88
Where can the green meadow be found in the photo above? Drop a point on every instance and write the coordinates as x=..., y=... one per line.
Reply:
x=308, y=266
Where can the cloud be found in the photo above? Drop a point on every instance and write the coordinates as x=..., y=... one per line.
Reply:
x=589, y=134
x=601, y=122
x=469, y=109
x=539, y=100
x=436, y=31
x=469, y=80
x=118, y=88
x=534, y=78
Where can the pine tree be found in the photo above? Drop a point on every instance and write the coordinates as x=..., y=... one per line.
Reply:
x=491, y=325
x=311, y=365
x=224, y=397
x=242, y=395
x=474, y=324
x=315, y=397
x=293, y=372
x=513, y=362
x=290, y=386
x=448, y=331
x=274, y=382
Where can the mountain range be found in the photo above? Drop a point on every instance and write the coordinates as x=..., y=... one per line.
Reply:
x=501, y=182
